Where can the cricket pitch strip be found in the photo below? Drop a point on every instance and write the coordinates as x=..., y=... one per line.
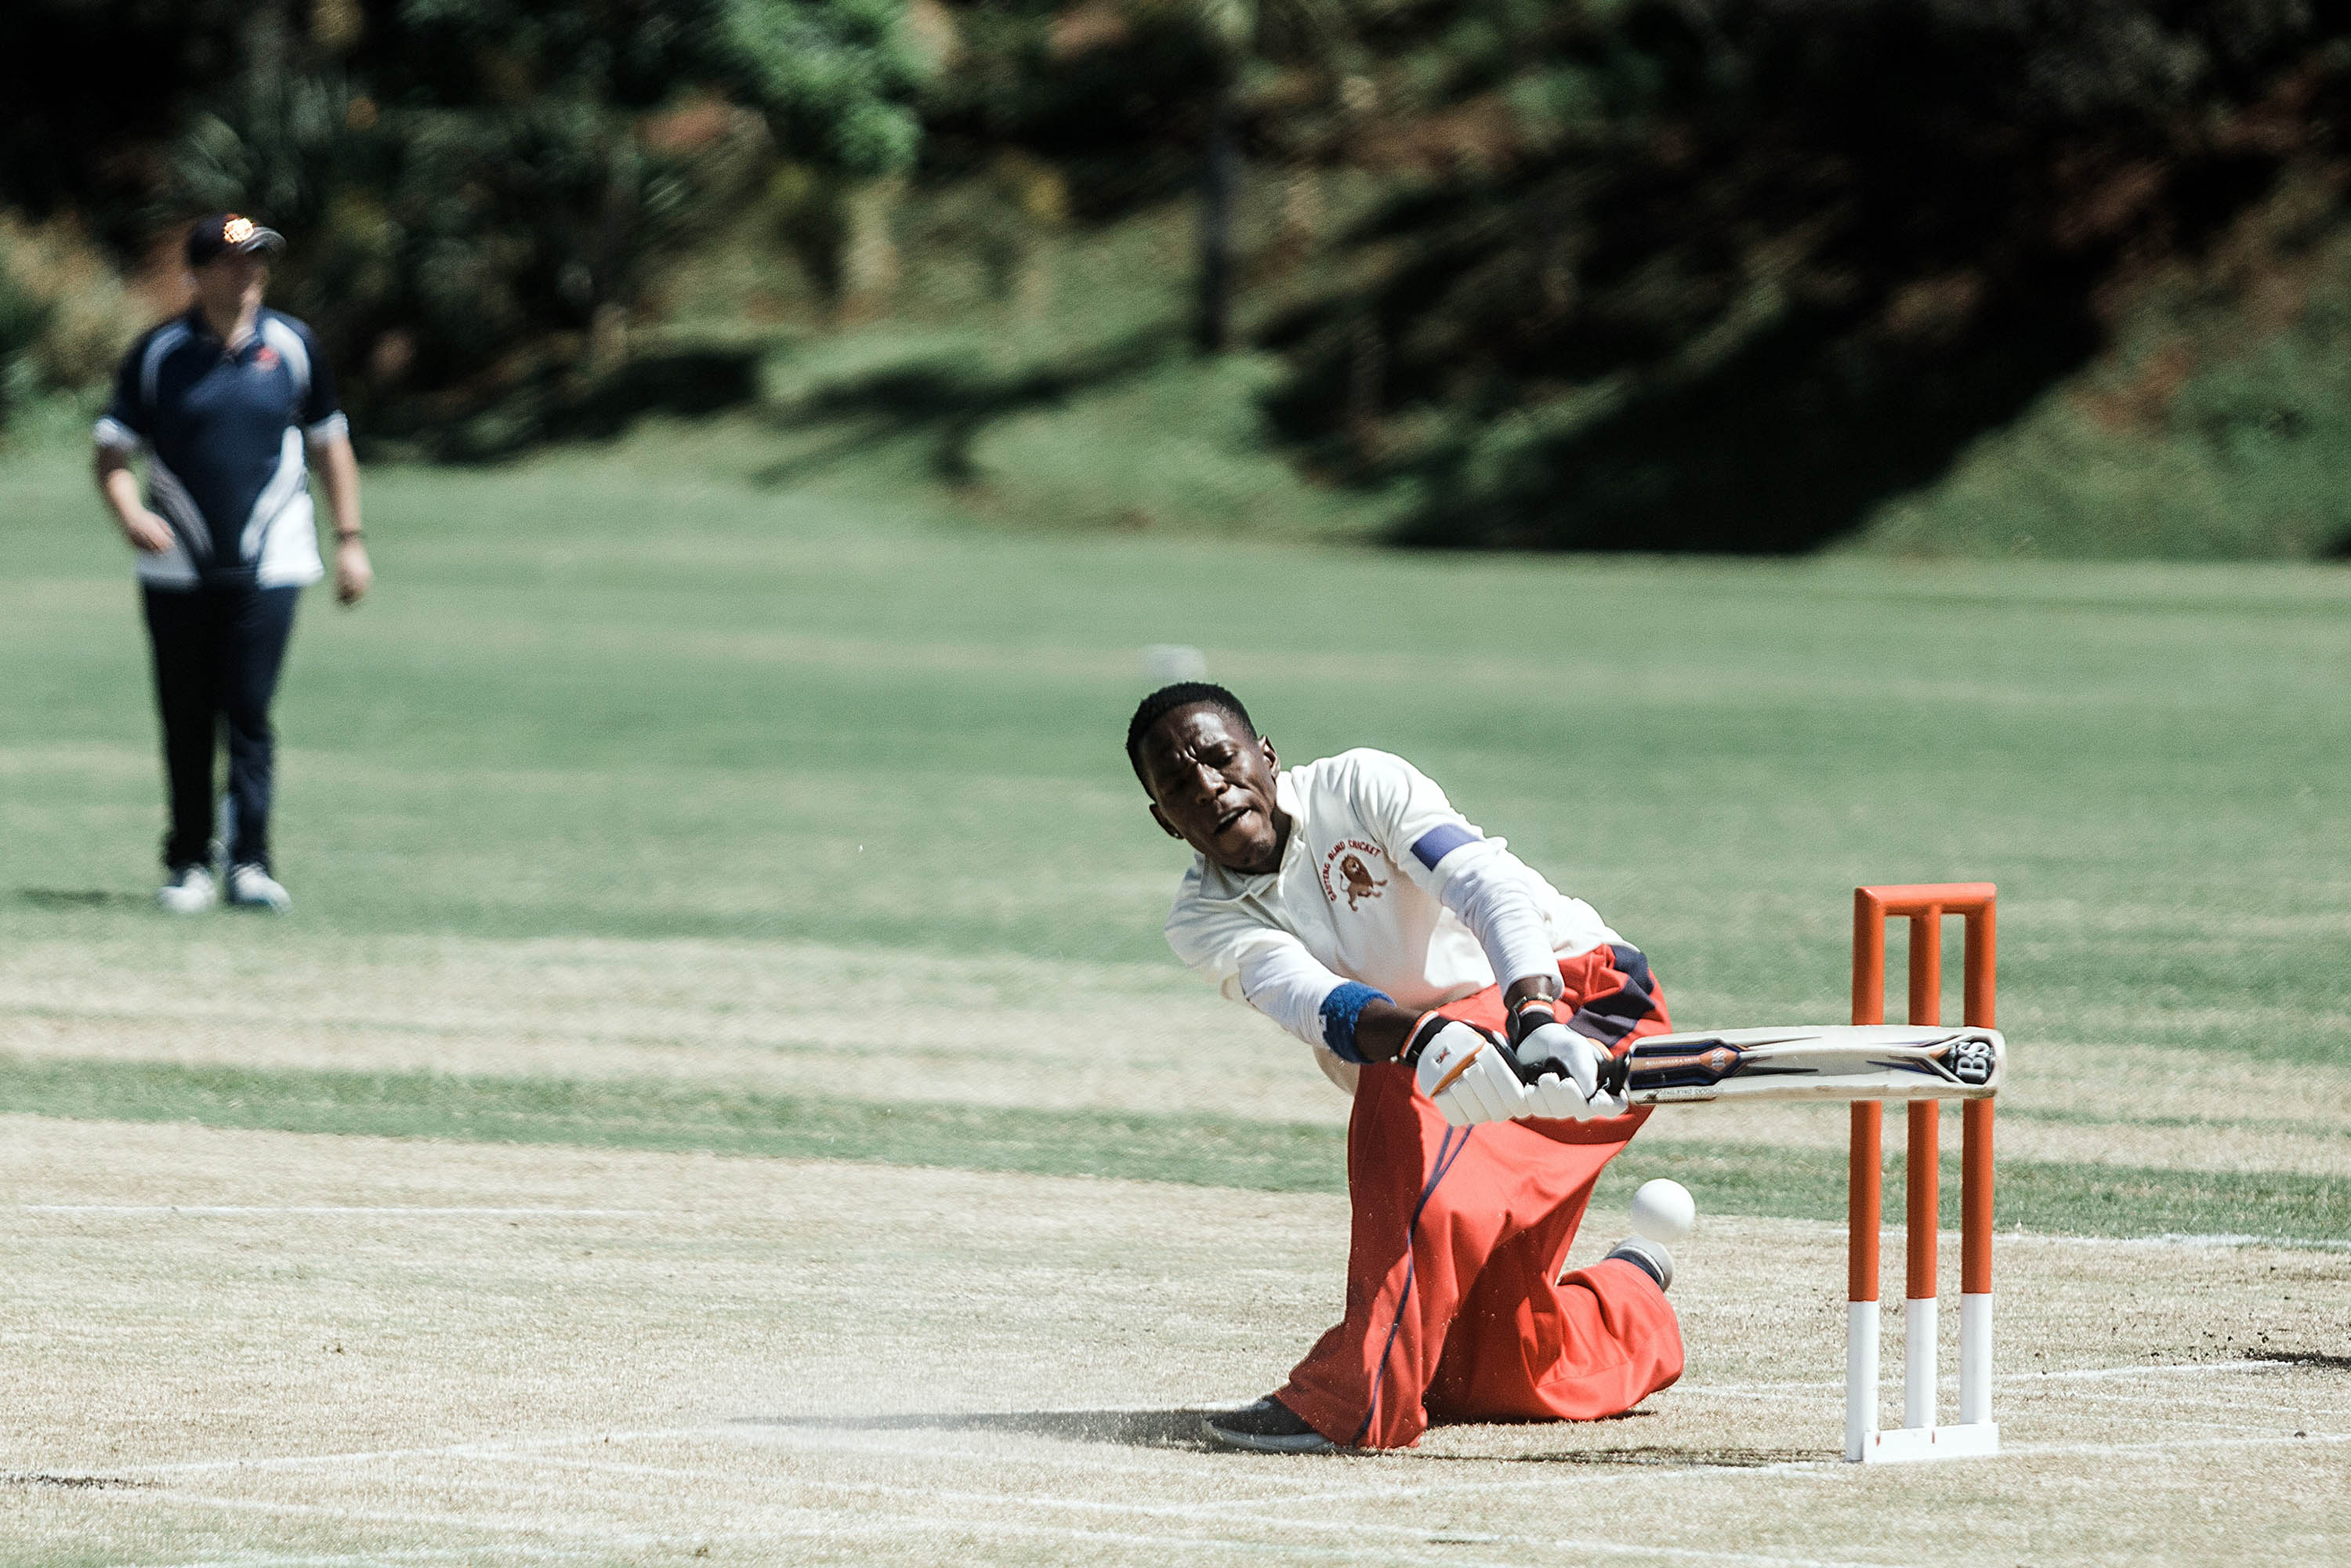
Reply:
x=270, y=1348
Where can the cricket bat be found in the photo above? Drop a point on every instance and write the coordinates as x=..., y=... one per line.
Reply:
x=1818, y=1062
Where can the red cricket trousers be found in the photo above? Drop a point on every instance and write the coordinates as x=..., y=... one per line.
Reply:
x=1455, y=1309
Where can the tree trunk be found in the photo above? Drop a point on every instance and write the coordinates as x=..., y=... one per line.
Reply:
x=1221, y=176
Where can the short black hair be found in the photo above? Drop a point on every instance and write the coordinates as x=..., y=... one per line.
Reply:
x=1167, y=700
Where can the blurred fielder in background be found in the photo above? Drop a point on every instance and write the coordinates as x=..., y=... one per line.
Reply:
x=223, y=400
x=1468, y=1006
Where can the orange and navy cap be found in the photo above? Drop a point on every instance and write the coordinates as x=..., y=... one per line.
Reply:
x=217, y=234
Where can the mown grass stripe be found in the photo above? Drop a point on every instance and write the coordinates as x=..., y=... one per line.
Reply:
x=1195, y=1150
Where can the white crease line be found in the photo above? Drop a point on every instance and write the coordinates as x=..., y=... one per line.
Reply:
x=900, y=1526
x=2085, y=1374
x=1383, y=1554
x=2160, y=1445
x=1950, y=1379
x=2003, y=1239
x=483, y=1447
x=896, y=1526
x=1000, y=1499
x=2184, y=1239
x=1629, y=1472
x=1275, y=1523
x=1379, y=1554
x=234, y=1209
x=736, y=1485
x=491, y=1527
x=2178, y=1404
x=1694, y=1554
x=398, y=1555
x=1827, y=1465
x=835, y=1440
x=845, y=1441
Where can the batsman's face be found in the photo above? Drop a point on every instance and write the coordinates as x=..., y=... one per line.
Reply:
x=1211, y=785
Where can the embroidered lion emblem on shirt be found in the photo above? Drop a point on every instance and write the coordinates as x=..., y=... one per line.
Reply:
x=1359, y=879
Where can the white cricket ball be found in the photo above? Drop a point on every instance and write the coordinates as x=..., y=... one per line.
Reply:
x=1662, y=1211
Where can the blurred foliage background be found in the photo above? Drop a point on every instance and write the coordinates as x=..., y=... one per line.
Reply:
x=1927, y=276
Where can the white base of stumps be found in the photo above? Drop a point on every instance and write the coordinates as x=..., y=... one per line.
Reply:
x=1907, y=1444
x=1918, y=1438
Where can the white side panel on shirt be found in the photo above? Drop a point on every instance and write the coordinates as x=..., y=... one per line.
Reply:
x=288, y=343
x=174, y=567
x=282, y=536
x=151, y=366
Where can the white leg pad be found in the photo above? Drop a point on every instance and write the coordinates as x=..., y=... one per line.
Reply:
x=1975, y=1359
x=1860, y=1378
x=1918, y=1321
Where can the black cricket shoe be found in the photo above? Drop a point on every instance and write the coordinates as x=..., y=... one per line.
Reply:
x=1268, y=1426
x=1649, y=1257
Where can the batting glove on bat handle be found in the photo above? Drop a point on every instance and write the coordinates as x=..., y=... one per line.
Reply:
x=1565, y=1071
x=1615, y=1073
x=1466, y=1072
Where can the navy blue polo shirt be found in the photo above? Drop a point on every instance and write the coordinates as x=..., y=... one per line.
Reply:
x=226, y=434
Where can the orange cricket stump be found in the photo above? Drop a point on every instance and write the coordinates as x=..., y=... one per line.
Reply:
x=1918, y=1438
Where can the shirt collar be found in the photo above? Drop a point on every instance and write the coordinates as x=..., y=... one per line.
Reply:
x=204, y=329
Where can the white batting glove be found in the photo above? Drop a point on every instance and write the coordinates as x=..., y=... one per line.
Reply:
x=1562, y=1068
x=1467, y=1073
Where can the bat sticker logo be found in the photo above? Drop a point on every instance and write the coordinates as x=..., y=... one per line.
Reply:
x=1971, y=1062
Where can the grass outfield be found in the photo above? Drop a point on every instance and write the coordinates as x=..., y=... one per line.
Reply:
x=722, y=1098
x=632, y=696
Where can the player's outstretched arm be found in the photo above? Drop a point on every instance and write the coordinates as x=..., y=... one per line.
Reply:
x=1466, y=1072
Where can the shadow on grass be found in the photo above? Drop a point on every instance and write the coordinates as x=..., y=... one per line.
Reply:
x=80, y=898
x=1179, y=1427
x=949, y=399
x=2316, y=1360
x=1171, y=1428
x=557, y=403
x=70, y=1483
x=1650, y=1457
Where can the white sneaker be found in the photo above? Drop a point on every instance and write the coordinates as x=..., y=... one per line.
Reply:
x=1648, y=1255
x=190, y=891
x=254, y=888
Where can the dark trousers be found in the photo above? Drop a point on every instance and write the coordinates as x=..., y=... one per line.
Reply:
x=217, y=654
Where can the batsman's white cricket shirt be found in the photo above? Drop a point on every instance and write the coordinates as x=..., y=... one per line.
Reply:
x=1383, y=884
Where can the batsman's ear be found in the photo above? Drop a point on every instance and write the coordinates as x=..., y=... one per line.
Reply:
x=1166, y=826
x=1272, y=762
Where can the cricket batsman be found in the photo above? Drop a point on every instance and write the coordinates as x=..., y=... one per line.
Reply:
x=1470, y=1008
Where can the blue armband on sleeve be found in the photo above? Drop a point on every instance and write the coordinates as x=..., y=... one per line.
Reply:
x=1341, y=1009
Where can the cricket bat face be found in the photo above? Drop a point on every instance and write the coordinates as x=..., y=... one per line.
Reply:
x=1821, y=1062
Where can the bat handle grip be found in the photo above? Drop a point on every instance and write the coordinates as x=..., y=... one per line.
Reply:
x=1616, y=1073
